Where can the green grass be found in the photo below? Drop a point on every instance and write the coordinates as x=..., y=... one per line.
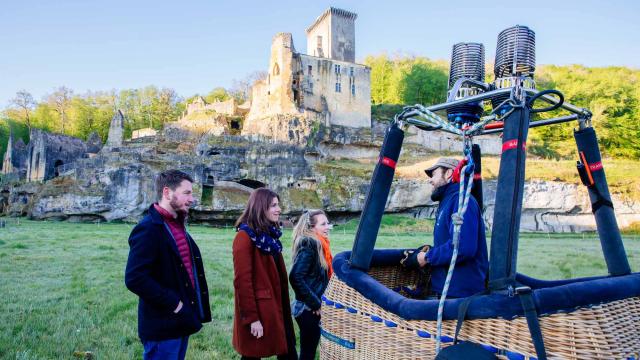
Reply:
x=63, y=291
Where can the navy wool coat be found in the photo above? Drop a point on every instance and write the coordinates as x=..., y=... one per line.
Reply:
x=155, y=272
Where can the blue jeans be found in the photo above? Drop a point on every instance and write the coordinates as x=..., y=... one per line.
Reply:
x=172, y=349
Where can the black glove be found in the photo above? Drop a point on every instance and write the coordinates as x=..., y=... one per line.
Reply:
x=410, y=259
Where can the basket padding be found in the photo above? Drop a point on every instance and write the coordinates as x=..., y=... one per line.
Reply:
x=549, y=296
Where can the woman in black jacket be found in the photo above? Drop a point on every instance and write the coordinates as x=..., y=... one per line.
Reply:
x=309, y=276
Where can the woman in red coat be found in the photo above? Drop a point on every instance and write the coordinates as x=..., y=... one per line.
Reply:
x=262, y=324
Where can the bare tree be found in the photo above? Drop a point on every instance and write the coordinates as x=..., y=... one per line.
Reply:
x=25, y=103
x=241, y=89
x=60, y=99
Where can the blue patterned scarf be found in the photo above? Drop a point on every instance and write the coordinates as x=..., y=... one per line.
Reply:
x=267, y=243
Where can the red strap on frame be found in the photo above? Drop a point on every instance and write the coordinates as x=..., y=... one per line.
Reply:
x=512, y=144
x=388, y=162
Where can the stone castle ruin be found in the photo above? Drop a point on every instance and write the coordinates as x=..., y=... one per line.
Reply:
x=14, y=161
x=324, y=86
x=307, y=133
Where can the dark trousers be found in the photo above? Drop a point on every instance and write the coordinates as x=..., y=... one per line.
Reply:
x=309, y=325
x=172, y=349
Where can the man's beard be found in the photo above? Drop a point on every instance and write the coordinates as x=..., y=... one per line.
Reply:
x=177, y=208
x=438, y=192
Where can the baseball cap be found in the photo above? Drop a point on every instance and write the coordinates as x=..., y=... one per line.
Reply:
x=447, y=163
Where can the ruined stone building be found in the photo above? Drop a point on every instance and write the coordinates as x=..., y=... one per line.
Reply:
x=324, y=85
x=143, y=133
x=15, y=157
x=49, y=154
x=227, y=107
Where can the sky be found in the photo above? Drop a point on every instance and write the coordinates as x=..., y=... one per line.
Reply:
x=195, y=46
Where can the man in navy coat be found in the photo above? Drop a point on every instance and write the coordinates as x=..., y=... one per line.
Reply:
x=472, y=263
x=165, y=270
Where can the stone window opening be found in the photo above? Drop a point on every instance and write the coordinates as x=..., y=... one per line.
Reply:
x=276, y=69
x=309, y=70
x=351, y=71
x=338, y=87
x=254, y=184
x=353, y=89
x=57, y=168
x=337, y=69
x=207, y=195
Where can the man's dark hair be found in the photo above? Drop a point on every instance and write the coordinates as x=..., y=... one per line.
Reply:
x=171, y=179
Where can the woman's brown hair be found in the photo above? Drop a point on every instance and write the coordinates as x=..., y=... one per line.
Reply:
x=255, y=214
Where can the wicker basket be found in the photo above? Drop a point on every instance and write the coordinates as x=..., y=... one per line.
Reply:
x=355, y=328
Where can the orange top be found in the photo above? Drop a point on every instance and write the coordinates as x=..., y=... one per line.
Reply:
x=327, y=252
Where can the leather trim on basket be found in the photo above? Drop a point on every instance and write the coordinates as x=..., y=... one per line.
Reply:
x=340, y=341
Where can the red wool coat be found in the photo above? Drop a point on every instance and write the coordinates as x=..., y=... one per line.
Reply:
x=258, y=296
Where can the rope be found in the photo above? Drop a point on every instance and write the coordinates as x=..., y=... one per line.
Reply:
x=425, y=119
x=466, y=183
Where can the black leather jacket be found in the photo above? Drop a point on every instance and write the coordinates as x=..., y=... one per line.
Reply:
x=307, y=277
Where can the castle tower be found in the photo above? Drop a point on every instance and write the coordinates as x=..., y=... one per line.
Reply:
x=333, y=35
x=116, y=131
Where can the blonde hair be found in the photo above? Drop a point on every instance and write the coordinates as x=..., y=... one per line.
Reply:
x=303, y=231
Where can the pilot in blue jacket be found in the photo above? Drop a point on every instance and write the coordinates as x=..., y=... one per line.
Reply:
x=472, y=263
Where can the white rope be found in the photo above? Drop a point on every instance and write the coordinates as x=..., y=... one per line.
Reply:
x=457, y=218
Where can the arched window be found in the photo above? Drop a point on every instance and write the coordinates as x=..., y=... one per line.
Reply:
x=276, y=69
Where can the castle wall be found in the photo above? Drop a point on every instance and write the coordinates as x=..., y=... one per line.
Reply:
x=343, y=39
x=274, y=95
x=340, y=88
x=49, y=151
x=227, y=107
x=140, y=133
x=7, y=164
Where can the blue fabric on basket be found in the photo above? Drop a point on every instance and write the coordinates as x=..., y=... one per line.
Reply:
x=549, y=296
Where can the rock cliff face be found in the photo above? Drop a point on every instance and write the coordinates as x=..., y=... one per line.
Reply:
x=560, y=207
x=118, y=184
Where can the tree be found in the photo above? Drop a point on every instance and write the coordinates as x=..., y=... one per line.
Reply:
x=241, y=89
x=217, y=94
x=25, y=103
x=423, y=84
x=60, y=100
x=381, y=78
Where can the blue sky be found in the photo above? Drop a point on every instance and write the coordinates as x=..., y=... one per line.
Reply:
x=194, y=46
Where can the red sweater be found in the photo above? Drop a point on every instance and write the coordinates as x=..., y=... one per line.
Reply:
x=176, y=225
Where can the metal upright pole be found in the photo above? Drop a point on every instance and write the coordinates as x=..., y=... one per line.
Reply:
x=596, y=181
x=376, y=199
x=508, y=202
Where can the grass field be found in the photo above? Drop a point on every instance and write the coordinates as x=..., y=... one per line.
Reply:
x=63, y=292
